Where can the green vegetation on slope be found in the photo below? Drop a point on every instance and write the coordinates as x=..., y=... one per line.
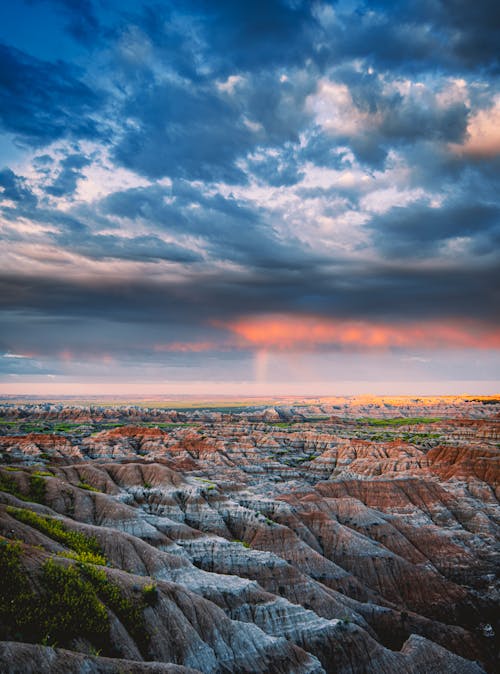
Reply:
x=71, y=607
x=55, y=529
x=85, y=485
x=397, y=421
x=129, y=613
x=37, y=487
x=70, y=603
x=66, y=606
x=18, y=613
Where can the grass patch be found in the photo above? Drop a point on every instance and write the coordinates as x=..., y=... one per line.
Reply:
x=36, y=488
x=150, y=594
x=66, y=607
x=70, y=603
x=17, y=608
x=305, y=459
x=9, y=485
x=324, y=417
x=129, y=613
x=243, y=543
x=55, y=529
x=65, y=428
x=84, y=557
x=71, y=608
x=85, y=485
x=210, y=486
x=397, y=421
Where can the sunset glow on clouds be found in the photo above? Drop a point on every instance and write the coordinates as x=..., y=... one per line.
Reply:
x=274, y=192
x=483, y=132
x=306, y=332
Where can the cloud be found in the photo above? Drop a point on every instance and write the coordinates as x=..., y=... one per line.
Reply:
x=285, y=333
x=371, y=114
x=183, y=132
x=420, y=230
x=189, y=183
x=257, y=34
x=69, y=174
x=200, y=131
x=226, y=227
x=409, y=36
x=483, y=133
x=189, y=347
x=41, y=101
x=14, y=188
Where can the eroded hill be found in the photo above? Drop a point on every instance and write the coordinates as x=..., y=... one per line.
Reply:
x=282, y=539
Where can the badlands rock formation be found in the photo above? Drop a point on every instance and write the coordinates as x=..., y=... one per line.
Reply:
x=335, y=536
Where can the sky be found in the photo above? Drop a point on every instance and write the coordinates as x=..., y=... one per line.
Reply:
x=276, y=196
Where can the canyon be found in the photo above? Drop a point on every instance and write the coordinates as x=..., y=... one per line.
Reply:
x=319, y=535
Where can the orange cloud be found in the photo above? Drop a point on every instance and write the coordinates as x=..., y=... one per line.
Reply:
x=284, y=332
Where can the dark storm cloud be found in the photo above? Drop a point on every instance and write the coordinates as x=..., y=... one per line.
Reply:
x=419, y=230
x=470, y=28
x=412, y=36
x=41, y=102
x=127, y=319
x=395, y=292
x=17, y=365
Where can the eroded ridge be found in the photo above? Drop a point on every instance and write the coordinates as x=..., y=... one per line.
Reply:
x=309, y=536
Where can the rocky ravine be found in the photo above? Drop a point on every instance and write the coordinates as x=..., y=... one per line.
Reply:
x=238, y=545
